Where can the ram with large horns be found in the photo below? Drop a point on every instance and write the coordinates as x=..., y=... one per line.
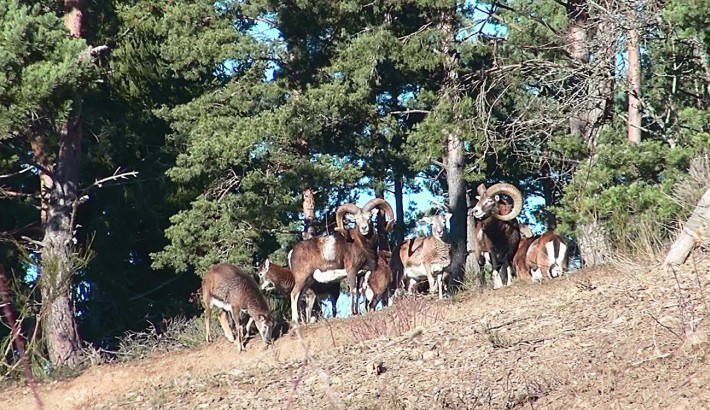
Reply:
x=498, y=232
x=345, y=254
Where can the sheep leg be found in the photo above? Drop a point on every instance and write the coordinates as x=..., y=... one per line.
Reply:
x=497, y=280
x=335, y=303
x=310, y=302
x=208, y=318
x=430, y=277
x=240, y=332
x=224, y=322
x=412, y=284
x=440, y=282
x=296, y=295
x=352, y=287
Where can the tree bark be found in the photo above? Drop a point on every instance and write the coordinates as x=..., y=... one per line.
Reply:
x=594, y=109
x=399, y=208
x=577, y=16
x=59, y=198
x=457, y=207
x=309, y=212
x=634, y=75
x=696, y=231
x=454, y=157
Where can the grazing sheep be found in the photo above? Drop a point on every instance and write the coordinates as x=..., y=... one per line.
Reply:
x=377, y=283
x=228, y=288
x=280, y=278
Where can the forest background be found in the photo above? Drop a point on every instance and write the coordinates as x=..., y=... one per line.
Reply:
x=142, y=141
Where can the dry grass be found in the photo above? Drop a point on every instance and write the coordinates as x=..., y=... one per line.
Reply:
x=407, y=314
x=176, y=334
x=629, y=335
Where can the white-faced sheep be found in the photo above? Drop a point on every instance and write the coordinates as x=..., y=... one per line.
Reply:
x=425, y=258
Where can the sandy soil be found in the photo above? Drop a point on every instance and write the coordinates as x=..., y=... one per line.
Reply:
x=628, y=336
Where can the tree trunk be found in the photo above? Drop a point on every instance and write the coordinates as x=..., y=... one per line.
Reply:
x=457, y=207
x=696, y=231
x=57, y=264
x=634, y=76
x=454, y=157
x=399, y=208
x=593, y=110
x=577, y=16
x=309, y=212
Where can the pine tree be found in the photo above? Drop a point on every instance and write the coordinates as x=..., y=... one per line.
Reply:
x=44, y=81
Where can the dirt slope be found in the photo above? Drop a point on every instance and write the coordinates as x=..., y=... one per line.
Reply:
x=623, y=337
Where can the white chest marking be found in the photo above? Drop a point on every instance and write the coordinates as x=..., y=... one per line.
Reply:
x=214, y=302
x=327, y=276
x=328, y=248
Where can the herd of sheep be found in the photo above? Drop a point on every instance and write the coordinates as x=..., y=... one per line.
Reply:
x=317, y=265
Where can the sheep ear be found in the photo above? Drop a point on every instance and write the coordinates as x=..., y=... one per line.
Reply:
x=262, y=318
x=426, y=219
x=497, y=198
x=349, y=217
x=267, y=263
x=478, y=197
x=374, y=211
x=447, y=216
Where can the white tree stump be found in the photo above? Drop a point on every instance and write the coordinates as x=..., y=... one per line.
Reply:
x=695, y=231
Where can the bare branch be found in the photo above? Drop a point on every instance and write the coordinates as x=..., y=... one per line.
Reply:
x=413, y=111
x=15, y=173
x=15, y=194
x=99, y=183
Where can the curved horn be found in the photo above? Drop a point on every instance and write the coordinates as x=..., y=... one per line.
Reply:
x=513, y=192
x=383, y=205
x=348, y=208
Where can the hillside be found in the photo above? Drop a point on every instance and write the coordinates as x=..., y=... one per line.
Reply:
x=626, y=336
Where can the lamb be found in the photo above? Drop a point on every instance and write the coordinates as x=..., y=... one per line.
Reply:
x=342, y=255
x=499, y=233
x=421, y=258
x=547, y=254
x=377, y=283
x=281, y=278
x=233, y=291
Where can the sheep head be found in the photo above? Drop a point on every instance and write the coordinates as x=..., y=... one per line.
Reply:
x=262, y=270
x=438, y=224
x=362, y=216
x=488, y=201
